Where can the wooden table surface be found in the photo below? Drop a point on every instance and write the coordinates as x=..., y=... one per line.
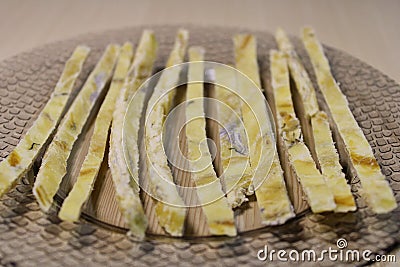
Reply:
x=369, y=30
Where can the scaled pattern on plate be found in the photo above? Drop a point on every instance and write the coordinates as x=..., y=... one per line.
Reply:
x=26, y=81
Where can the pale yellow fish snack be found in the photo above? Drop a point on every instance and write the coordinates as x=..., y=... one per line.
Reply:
x=218, y=212
x=71, y=208
x=126, y=187
x=25, y=153
x=54, y=163
x=234, y=156
x=316, y=129
x=318, y=194
x=363, y=164
x=329, y=163
x=170, y=217
x=272, y=198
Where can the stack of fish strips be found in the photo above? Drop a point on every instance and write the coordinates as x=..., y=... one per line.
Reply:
x=306, y=154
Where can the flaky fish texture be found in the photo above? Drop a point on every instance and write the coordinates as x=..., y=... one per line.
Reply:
x=126, y=180
x=71, y=207
x=272, y=197
x=161, y=183
x=28, y=149
x=215, y=205
x=376, y=189
x=54, y=163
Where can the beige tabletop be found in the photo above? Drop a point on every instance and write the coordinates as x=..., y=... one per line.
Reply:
x=369, y=30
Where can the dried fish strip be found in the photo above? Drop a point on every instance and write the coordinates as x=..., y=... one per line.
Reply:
x=54, y=164
x=236, y=171
x=329, y=163
x=272, y=198
x=218, y=212
x=363, y=164
x=25, y=153
x=71, y=208
x=170, y=217
x=319, y=139
x=318, y=194
x=126, y=188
